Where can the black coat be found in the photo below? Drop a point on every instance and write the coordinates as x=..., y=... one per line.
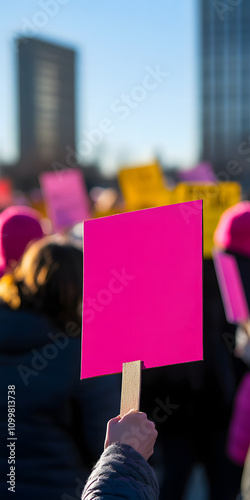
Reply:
x=60, y=421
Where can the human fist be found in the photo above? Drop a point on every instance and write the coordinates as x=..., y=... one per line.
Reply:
x=134, y=429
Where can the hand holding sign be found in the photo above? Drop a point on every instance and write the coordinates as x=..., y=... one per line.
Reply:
x=133, y=429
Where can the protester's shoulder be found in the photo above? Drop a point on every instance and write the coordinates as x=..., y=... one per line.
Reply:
x=21, y=319
x=23, y=329
x=4, y=308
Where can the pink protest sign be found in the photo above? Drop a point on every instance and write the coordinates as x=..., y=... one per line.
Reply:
x=201, y=173
x=66, y=197
x=6, y=193
x=231, y=287
x=142, y=289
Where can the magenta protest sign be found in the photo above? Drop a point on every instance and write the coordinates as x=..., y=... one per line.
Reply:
x=231, y=287
x=142, y=289
x=66, y=198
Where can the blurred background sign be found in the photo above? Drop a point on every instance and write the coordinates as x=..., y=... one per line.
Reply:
x=6, y=193
x=66, y=198
x=216, y=199
x=143, y=186
x=203, y=172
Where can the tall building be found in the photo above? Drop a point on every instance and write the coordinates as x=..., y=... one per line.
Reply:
x=225, y=77
x=46, y=86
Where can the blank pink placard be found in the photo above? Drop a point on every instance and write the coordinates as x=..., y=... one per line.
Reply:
x=66, y=197
x=231, y=287
x=142, y=289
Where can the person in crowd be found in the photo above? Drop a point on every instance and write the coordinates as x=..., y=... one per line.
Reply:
x=245, y=480
x=19, y=226
x=122, y=471
x=238, y=445
x=233, y=236
x=233, y=230
x=56, y=423
x=239, y=429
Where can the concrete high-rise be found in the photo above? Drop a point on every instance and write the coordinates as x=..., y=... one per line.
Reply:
x=225, y=79
x=46, y=83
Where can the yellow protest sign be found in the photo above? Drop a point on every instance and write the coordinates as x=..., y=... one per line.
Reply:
x=216, y=199
x=39, y=205
x=111, y=211
x=143, y=186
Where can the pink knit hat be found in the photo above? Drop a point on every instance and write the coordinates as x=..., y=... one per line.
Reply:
x=19, y=225
x=233, y=230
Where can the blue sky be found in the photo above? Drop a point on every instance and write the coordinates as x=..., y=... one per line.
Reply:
x=118, y=45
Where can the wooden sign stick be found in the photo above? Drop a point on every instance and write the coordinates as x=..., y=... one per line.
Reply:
x=131, y=387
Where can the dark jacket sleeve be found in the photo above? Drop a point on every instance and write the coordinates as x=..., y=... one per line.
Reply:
x=121, y=473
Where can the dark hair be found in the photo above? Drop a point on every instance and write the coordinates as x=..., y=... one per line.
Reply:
x=49, y=280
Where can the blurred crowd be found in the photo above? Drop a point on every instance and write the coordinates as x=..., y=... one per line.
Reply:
x=201, y=410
